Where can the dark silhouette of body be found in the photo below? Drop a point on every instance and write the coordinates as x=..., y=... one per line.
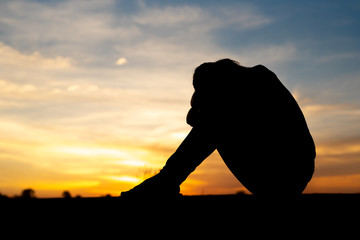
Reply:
x=255, y=124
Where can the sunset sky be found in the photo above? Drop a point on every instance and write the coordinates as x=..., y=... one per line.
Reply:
x=94, y=93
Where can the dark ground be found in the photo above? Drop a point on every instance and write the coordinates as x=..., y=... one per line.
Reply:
x=203, y=215
x=207, y=203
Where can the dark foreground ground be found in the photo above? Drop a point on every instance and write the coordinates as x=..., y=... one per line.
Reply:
x=192, y=217
x=326, y=214
x=225, y=204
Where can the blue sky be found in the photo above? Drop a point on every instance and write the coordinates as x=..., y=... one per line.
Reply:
x=86, y=86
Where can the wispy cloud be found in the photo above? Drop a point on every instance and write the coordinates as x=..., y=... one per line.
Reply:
x=89, y=32
x=10, y=58
x=270, y=55
x=169, y=16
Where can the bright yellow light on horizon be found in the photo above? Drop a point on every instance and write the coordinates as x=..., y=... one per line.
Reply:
x=129, y=179
x=63, y=185
x=92, y=151
x=125, y=157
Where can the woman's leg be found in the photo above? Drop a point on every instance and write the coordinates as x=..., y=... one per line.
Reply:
x=265, y=172
x=190, y=154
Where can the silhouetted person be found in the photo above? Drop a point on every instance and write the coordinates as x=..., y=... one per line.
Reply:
x=256, y=125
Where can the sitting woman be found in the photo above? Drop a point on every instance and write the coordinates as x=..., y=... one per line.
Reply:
x=255, y=124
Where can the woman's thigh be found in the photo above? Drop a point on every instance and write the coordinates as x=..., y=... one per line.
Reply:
x=264, y=173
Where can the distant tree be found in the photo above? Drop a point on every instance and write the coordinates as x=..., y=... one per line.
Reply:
x=3, y=196
x=28, y=193
x=66, y=194
x=107, y=196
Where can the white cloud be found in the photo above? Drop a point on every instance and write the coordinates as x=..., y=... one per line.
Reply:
x=168, y=16
x=75, y=29
x=241, y=17
x=10, y=57
x=121, y=61
x=89, y=32
x=181, y=38
x=267, y=55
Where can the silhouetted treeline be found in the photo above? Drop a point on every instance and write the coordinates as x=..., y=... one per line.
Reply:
x=29, y=193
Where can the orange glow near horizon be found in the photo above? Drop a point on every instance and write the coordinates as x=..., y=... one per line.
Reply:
x=52, y=162
x=97, y=170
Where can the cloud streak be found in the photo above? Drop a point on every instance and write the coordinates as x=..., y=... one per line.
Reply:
x=10, y=57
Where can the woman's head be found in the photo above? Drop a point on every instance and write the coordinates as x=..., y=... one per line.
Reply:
x=214, y=84
x=216, y=75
